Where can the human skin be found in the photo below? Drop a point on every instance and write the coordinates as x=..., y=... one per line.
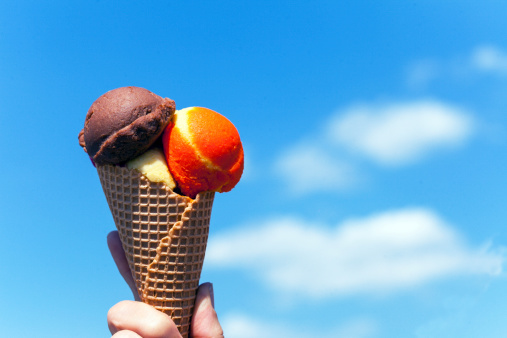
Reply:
x=129, y=319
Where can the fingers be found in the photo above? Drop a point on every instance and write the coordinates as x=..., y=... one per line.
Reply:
x=126, y=334
x=140, y=319
x=205, y=321
x=114, y=244
x=134, y=319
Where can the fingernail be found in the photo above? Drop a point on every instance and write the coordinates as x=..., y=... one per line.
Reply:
x=211, y=294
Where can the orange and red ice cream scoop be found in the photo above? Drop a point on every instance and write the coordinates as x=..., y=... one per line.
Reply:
x=202, y=148
x=203, y=151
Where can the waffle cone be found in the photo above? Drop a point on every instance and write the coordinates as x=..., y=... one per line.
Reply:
x=164, y=236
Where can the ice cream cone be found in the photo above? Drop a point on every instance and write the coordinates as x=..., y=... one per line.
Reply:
x=164, y=236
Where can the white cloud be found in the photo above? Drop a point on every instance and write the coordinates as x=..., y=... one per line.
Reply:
x=400, y=133
x=243, y=326
x=381, y=253
x=309, y=167
x=389, y=135
x=489, y=59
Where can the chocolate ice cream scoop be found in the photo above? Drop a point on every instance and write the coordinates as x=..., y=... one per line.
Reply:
x=123, y=123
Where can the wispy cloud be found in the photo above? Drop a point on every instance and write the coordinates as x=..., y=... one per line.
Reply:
x=489, y=59
x=422, y=72
x=381, y=253
x=400, y=133
x=244, y=326
x=309, y=167
x=482, y=59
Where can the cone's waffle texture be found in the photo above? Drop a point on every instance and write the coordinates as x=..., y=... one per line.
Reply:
x=164, y=236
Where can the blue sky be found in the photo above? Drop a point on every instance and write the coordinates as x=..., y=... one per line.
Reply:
x=373, y=199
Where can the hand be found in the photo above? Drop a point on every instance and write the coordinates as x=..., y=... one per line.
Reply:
x=135, y=319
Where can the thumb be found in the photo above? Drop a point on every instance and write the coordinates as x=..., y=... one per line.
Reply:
x=204, y=320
